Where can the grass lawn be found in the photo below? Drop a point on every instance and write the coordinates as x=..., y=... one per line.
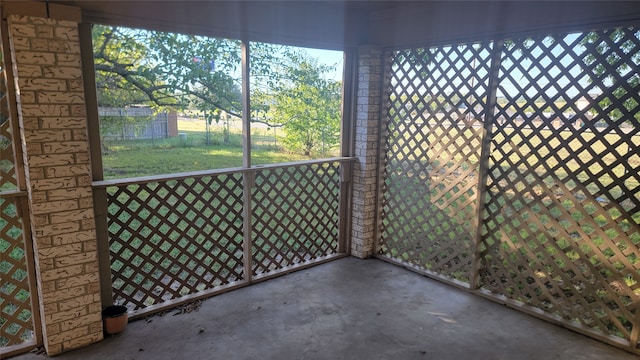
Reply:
x=124, y=159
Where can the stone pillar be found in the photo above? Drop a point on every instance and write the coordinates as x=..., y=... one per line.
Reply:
x=367, y=148
x=53, y=125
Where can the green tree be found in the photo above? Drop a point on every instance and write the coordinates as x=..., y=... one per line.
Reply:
x=305, y=104
x=612, y=57
x=165, y=69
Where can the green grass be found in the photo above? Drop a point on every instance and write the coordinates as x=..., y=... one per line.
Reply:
x=124, y=159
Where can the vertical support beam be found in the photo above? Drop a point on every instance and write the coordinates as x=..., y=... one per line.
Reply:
x=13, y=111
x=344, y=220
x=382, y=141
x=248, y=176
x=104, y=256
x=22, y=202
x=91, y=100
x=485, y=150
x=349, y=77
x=366, y=151
x=247, y=227
x=95, y=151
x=635, y=332
x=349, y=81
x=52, y=116
x=246, y=106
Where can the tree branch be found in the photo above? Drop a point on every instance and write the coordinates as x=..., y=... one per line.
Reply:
x=107, y=37
x=151, y=91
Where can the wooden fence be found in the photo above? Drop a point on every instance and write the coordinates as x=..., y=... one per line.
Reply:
x=119, y=124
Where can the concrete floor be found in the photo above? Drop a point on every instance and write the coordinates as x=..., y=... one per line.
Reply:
x=346, y=309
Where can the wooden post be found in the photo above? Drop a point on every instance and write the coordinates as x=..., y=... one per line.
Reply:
x=474, y=276
x=346, y=149
x=248, y=176
x=95, y=150
x=246, y=107
x=21, y=200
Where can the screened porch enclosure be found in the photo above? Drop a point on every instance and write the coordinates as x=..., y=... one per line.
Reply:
x=511, y=168
x=491, y=146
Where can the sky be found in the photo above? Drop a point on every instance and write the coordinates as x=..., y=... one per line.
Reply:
x=329, y=57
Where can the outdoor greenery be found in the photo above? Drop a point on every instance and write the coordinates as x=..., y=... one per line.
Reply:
x=201, y=76
x=134, y=158
x=301, y=101
x=614, y=68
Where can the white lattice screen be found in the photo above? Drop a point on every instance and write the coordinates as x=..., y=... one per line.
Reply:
x=559, y=215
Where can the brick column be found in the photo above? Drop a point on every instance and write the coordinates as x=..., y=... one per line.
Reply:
x=53, y=125
x=367, y=148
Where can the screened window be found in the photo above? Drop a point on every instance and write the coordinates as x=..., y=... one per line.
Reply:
x=171, y=103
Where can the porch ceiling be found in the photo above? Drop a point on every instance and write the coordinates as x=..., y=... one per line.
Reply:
x=328, y=24
x=346, y=309
x=348, y=23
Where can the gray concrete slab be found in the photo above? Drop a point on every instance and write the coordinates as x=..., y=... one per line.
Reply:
x=347, y=309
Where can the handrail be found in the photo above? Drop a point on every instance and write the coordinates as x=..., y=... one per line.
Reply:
x=216, y=172
x=12, y=194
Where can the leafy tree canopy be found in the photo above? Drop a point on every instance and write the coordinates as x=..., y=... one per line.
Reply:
x=612, y=58
x=165, y=69
x=307, y=105
x=161, y=69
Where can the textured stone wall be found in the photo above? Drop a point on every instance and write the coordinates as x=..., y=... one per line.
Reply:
x=368, y=97
x=52, y=117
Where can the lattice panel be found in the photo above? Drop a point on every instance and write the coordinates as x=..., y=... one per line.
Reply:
x=7, y=159
x=295, y=215
x=435, y=109
x=174, y=238
x=16, y=320
x=562, y=215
